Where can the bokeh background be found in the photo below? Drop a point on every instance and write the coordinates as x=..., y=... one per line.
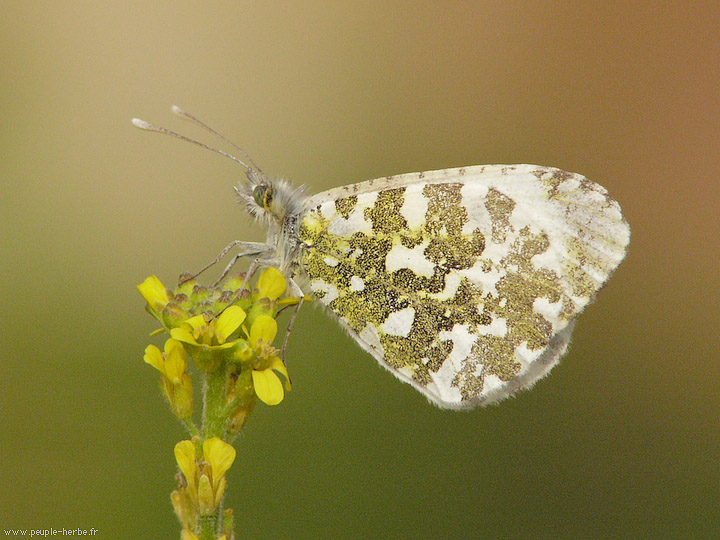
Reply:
x=620, y=441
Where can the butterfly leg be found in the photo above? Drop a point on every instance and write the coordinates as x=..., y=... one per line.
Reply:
x=213, y=262
x=254, y=267
x=246, y=249
x=295, y=290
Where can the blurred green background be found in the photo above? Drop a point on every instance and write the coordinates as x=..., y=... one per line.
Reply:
x=620, y=441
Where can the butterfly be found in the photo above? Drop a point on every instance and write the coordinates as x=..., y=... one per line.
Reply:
x=464, y=283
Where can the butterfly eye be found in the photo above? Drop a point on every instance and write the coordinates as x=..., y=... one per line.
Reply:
x=263, y=195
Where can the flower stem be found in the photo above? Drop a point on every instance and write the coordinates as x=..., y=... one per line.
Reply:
x=214, y=419
x=191, y=427
x=207, y=527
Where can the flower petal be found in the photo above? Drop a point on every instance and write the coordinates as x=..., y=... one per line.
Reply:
x=153, y=356
x=154, y=293
x=184, y=335
x=229, y=320
x=185, y=457
x=220, y=455
x=206, y=499
x=226, y=345
x=170, y=345
x=263, y=328
x=268, y=386
x=220, y=490
x=271, y=284
x=175, y=360
x=278, y=365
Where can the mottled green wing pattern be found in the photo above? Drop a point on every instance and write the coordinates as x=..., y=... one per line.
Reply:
x=464, y=282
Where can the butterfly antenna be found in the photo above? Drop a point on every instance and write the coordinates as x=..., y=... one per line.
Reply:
x=187, y=116
x=142, y=124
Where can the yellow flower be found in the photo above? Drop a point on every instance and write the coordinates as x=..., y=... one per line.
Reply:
x=220, y=456
x=172, y=365
x=205, y=483
x=155, y=294
x=208, y=338
x=267, y=384
x=214, y=333
x=175, y=382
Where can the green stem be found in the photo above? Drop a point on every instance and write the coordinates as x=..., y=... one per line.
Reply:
x=207, y=527
x=191, y=427
x=214, y=419
x=230, y=407
x=214, y=425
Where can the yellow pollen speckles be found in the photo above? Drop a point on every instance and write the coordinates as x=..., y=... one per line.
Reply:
x=396, y=271
x=453, y=281
x=500, y=207
x=385, y=214
x=553, y=182
x=445, y=214
x=345, y=206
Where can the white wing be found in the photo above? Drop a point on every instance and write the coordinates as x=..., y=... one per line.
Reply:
x=463, y=282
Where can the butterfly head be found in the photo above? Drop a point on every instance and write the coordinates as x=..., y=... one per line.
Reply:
x=270, y=200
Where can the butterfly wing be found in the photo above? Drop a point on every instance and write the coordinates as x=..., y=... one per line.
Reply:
x=465, y=282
